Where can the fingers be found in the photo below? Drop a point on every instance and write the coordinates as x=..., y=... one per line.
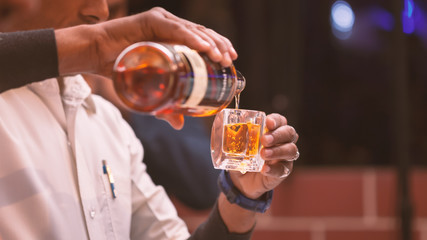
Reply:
x=213, y=52
x=224, y=45
x=172, y=28
x=279, y=147
x=275, y=120
x=280, y=141
x=287, y=152
x=283, y=134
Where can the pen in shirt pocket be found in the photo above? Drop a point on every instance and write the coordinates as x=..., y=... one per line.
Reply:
x=107, y=170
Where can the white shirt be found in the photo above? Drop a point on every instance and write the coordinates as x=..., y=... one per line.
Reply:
x=52, y=184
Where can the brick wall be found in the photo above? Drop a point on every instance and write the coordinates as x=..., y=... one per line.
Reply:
x=336, y=203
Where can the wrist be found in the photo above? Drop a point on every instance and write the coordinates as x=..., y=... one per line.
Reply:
x=76, y=47
x=234, y=196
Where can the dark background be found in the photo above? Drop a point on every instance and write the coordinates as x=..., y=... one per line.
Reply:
x=359, y=101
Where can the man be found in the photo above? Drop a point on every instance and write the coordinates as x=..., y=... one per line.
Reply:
x=61, y=147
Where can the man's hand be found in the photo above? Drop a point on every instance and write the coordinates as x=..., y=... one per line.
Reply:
x=94, y=48
x=279, y=151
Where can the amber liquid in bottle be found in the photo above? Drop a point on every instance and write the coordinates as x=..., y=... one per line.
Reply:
x=161, y=78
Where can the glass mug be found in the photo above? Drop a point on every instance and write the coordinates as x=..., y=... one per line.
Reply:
x=235, y=140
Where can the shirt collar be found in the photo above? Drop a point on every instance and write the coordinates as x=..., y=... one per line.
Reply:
x=75, y=91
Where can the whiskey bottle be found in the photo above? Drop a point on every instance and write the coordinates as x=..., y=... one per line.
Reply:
x=160, y=78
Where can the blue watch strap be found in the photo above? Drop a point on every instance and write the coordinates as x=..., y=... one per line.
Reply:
x=233, y=195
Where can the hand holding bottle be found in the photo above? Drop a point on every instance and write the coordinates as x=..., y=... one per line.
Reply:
x=172, y=80
x=166, y=27
x=96, y=47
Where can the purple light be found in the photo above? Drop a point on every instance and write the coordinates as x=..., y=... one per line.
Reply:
x=381, y=18
x=408, y=21
x=421, y=23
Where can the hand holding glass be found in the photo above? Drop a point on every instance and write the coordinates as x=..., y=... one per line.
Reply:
x=235, y=140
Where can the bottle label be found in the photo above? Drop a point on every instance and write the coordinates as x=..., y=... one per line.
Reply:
x=200, y=84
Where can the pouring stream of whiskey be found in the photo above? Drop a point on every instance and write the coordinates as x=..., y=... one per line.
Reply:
x=237, y=100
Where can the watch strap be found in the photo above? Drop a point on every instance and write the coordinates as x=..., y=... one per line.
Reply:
x=233, y=195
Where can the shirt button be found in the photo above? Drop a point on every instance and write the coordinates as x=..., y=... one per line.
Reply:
x=92, y=213
x=68, y=143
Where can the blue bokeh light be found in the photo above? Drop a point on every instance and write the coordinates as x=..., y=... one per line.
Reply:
x=408, y=20
x=342, y=19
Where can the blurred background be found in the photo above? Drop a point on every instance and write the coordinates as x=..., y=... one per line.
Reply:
x=351, y=76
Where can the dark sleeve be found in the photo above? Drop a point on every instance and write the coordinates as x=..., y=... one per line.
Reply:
x=26, y=57
x=214, y=228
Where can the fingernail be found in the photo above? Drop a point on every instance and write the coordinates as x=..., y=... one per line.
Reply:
x=296, y=156
x=227, y=58
x=294, y=137
x=286, y=172
x=204, y=43
x=274, y=123
x=233, y=51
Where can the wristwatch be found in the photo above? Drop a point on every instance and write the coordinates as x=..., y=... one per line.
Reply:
x=233, y=195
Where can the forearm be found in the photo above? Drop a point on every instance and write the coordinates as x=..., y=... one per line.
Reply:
x=36, y=55
x=238, y=228
x=77, y=49
x=236, y=218
x=94, y=48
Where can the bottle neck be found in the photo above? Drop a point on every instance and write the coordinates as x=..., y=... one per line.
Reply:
x=240, y=82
